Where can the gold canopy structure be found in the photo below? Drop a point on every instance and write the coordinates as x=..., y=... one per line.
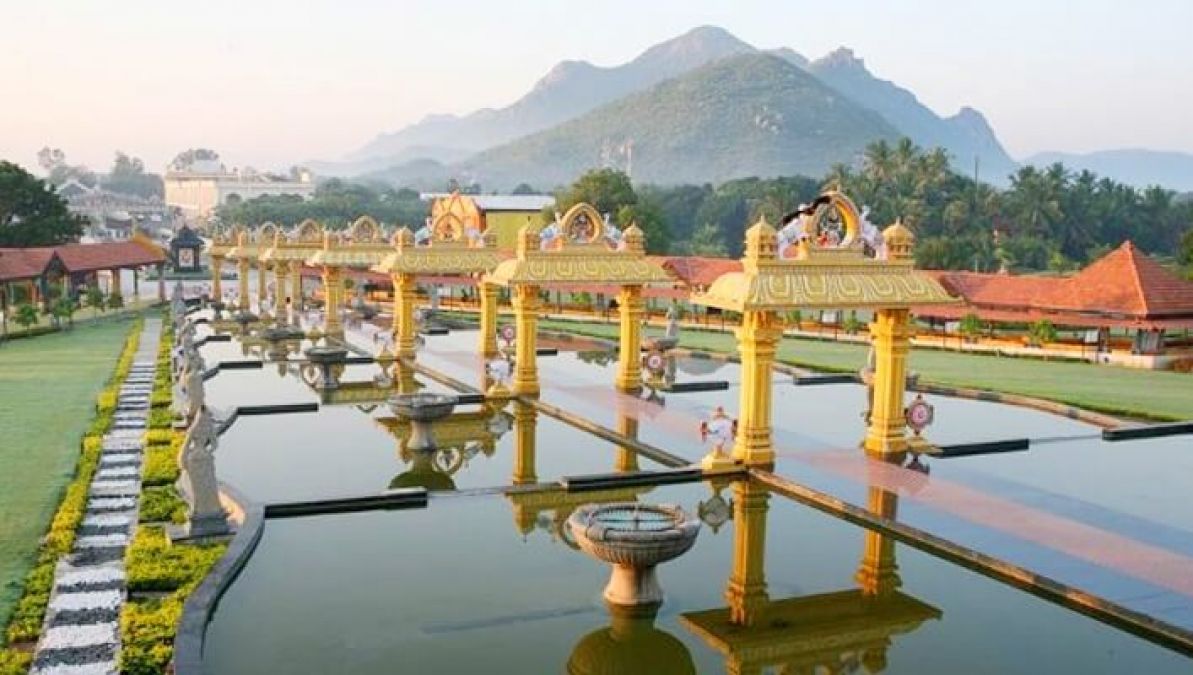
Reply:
x=816, y=276
x=577, y=254
x=287, y=253
x=222, y=241
x=247, y=254
x=453, y=248
x=363, y=247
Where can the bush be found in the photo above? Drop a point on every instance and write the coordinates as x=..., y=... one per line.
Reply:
x=161, y=418
x=147, y=630
x=154, y=564
x=162, y=504
x=161, y=465
x=14, y=662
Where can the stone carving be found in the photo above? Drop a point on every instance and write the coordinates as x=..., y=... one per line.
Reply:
x=206, y=514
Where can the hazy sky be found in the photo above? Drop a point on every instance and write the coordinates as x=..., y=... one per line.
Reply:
x=274, y=83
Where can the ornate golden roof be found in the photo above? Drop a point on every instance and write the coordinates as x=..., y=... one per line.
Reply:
x=821, y=277
x=578, y=254
x=298, y=246
x=443, y=255
x=224, y=240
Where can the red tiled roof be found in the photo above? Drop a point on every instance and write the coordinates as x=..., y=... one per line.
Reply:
x=697, y=271
x=23, y=263
x=1125, y=284
x=108, y=255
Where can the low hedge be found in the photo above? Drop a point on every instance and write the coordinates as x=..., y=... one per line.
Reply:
x=14, y=662
x=161, y=464
x=161, y=505
x=154, y=564
x=26, y=622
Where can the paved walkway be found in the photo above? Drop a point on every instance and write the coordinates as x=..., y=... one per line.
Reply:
x=81, y=635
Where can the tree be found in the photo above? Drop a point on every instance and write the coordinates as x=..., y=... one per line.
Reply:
x=53, y=162
x=704, y=241
x=185, y=159
x=128, y=176
x=524, y=189
x=64, y=308
x=1184, y=252
x=26, y=316
x=970, y=326
x=94, y=298
x=607, y=190
x=115, y=300
x=649, y=218
x=1042, y=332
x=32, y=214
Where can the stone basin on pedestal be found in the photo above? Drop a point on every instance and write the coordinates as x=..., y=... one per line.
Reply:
x=422, y=409
x=245, y=319
x=324, y=357
x=634, y=538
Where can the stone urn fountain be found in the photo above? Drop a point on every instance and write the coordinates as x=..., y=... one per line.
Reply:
x=281, y=332
x=634, y=538
x=325, y=357
x=244, y=320
x=422, y=410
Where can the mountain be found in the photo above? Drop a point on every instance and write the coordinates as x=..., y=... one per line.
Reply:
x=570, y=89
x=965, y=135
x=748, y=115
x=413, y=155
x=1141, y=168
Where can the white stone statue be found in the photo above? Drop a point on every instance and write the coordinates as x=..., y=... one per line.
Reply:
x=871, y=235
x=719, y=430
x=499, y=371
x=206, y=514
x=672, y=330
x=613, y=234
x=194, y=387
x=550, y=233
x=423, y=235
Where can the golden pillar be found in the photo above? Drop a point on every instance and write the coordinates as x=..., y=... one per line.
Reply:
x=217, y=270
x=405, y=295
x=333, y=291
x=746, y=593
x=891, y=336
x=526, y=307
x=296, y=285
x=627, y=458
x=629, y=360
x=281, y=274
x=878, y=574
x=525, y=421
x=757, y=340
x=242, y=282
x=262, y=283
x=488, y=338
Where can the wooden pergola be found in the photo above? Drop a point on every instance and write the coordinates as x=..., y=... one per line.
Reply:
x=818, y=277
x=577, y=254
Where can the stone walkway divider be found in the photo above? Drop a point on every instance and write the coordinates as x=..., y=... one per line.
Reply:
x=81, y=634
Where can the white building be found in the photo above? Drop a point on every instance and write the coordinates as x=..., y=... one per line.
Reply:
x=205, y=185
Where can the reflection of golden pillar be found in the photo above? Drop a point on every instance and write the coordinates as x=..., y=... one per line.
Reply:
x=217, y=270
x=746, y=593
x=281, y=273
x=296, y=285
x=405, y=295
x=262, y=283
x=878, y=573
x=242, y=281
x=333, y=289
x=525, y=421
x=891, y=335
x=526, y=306
x=757, y=339
x=488, y=339
x=627, y=459
x=629, y=366
x=403, y=376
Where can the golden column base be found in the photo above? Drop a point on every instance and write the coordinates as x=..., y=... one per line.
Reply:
x=891, y=336
x=757, y=340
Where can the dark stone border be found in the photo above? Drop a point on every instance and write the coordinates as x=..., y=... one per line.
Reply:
x=604, y=481
x=1147, y=431
x=406, y=498
x=277, y=408
x=983, y=448
x=199, y=606
x=706, y=385
x=832, y=378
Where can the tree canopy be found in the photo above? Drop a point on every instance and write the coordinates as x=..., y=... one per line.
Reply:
x=128, y=176
x=336, y=203
x=610, y=191
x=31, y=213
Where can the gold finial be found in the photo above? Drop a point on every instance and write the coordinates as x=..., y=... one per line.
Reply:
x=403, y=238
x=899, y=241
x=635, y=239
x=762, y=241
x=528, y=239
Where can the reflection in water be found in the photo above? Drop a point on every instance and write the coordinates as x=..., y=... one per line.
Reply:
x=848, y=631
x=629, y=644
x=460, y=437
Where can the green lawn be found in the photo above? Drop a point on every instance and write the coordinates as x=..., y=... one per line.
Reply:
x=48, y=386
x=1127, y=391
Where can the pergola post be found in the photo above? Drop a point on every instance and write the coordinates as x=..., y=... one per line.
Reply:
x=891, y=336
x=526, y=307
x=281, y=273
x=757, y=340
x=405, y=296
x=627, y=459
x=746, y=593
x=117, y=286
x=262, y=283
x=525, y=421
x=136, y=283
x=242, y=277
x=488, y=327
x=333, y=289
x=296, y=299
x=217, y=270
x=629, y=363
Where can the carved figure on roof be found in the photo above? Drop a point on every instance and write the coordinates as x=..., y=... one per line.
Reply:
x=422, y=236
x=309, y=232
x=448, y=228
x=365, y=230
x=582, y=224
x=549, y=235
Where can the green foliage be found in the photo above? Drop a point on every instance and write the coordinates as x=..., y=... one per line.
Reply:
x=162, y=504
x=1184, y=251
x=970, y=325
x=31, y=213
x=147, y=630
x=26, y=315
x=127, y=176
x=64, y=308
x=161, y=464
x=94, y=298
x=1042, y=332
x=154, y=564
x=160, y=418
x=15, y=662
x=115, y=301
x=852, y=325
x=335, y=203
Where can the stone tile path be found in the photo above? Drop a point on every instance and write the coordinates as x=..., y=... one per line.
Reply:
x=81, y=635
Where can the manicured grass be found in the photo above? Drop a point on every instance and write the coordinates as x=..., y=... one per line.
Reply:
x=48, y=388
x=1114, y=390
